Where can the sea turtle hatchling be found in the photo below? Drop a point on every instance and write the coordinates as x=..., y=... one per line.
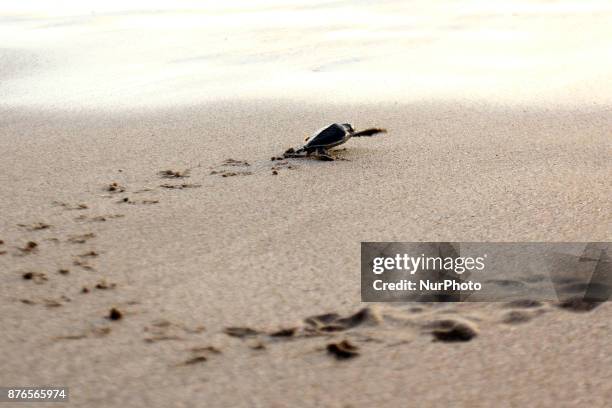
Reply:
x=327, y=138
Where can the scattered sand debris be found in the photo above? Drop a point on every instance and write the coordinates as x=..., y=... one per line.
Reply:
x=29, y=248
x=579, y=304
x=201, y=354
x=127, y=200
x=180, y=186
x=195, y=360
x=280, y=165
x=236, y=163
x=321, y=320
x=258, y=345
x=171, y=174
x=288, y=332
x=103, y=285
x=52, y=303
x=99, y=218
x=89, y=254
x=82, y=264
x=226, y=173
x=331, y=322
x=205, y=349
x=343, y=350
x=240, y=332
x=71, y=206
x=81, y=239
x=115, y=314
x=36, y=277
x=235, y=166
x=154, y=339
x=37, y=226
x=450, y=330
x=115, y=187
x=163, y=329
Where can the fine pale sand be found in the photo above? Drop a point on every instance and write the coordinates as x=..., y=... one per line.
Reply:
x=207, y=262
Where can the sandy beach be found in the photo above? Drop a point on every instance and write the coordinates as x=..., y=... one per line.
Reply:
x=267, y=251
x=152, y=254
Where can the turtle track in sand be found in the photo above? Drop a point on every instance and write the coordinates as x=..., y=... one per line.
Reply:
x=376, y=328
x=79, y=277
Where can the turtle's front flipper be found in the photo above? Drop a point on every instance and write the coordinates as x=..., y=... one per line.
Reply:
x=322, y=154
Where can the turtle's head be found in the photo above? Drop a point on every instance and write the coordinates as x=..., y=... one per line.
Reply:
x=348, y=127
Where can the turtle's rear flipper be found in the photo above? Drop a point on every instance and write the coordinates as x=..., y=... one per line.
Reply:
x=369, y=132
x=291, y=152
x=322, y=154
